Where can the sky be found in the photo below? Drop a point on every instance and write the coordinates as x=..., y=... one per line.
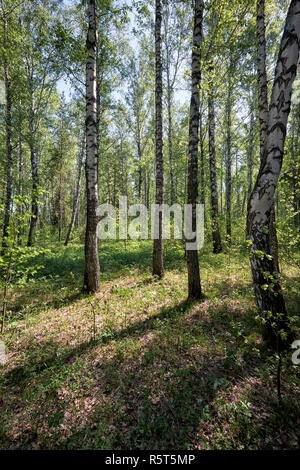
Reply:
x=64, y=86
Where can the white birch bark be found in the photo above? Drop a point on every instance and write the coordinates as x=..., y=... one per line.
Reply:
x=158, y=266
x=77, y=191
x=266, y=284
x=217, y=245
x=194, y=283
x=92, y=266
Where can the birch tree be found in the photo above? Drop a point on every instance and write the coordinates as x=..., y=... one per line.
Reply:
x=40, y=77
x=194, y=284
x=250, y=149
x=77, y=190
x=158, y=265
x=175, y=33
x=228, y=112
x=8, y=120
x=217, y=245
x=263, y=108
x=266, y=282
x=92, y=266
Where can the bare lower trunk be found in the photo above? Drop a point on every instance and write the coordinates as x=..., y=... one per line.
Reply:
x=158, y=266
x=34, y=196
x=140, y=175
x=266, y=283
x=228, y=156
x=78, y=213
x=8, y=129
x=217, y=245
x=9, y=162
x=77, y=192
x=92, y=267
x=60, y=206
x=20, y=189
x=273, y=240
x=170, y=137
x=194, y=283
x=250, y=152
x=201, y=136
x=296, y=167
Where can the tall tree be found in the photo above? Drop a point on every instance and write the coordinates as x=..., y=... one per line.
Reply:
x=202, y=155
x=263, y=107
x=77, y=191
x=194, y=283
x=5, y=20
x=228, y=148
x=250, y=148
x=217, y=245
x=264, y=110
x=92, y=266
x=265, y=278
x=174, y=35
x=138, y=100
x=158, y=264
x=40, y=77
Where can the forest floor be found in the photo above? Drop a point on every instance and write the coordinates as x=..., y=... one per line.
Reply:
x=158, y=372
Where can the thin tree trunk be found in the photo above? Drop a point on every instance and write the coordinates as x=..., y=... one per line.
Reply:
x=77, y=191
x=265, y=278
x=158, y=266
x=34, y=195
x=170, y=137
x=20, y=188
x=217, y=245
x=296, y=166
x=34, y=171
x=244, y=202
x=228, y=154
x=9, y=162
x=92, y=266
x=194, y=283
x=140, y=174
x=250, y=151
x=60, y=206
x=201, y=136
x=78, y=213
x=221, y=188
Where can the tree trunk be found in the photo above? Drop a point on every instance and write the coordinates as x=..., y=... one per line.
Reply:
x=263, y=106
x=194, y=283
x=92, y=266
x=217, y=245
x=140, y=169
x=250, y=150
x=266, y=283
x=158, y=266
x=34, y=195
x=77, y=192
x=20, y=188
x=201, y=136
x=296, y=167
x=170, y=137
x=228, y=154
x=60, y=205
x=9, y=162
x=34, y=170
x=264, y=111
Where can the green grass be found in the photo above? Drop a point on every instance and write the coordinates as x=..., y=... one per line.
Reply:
x=162, y=373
